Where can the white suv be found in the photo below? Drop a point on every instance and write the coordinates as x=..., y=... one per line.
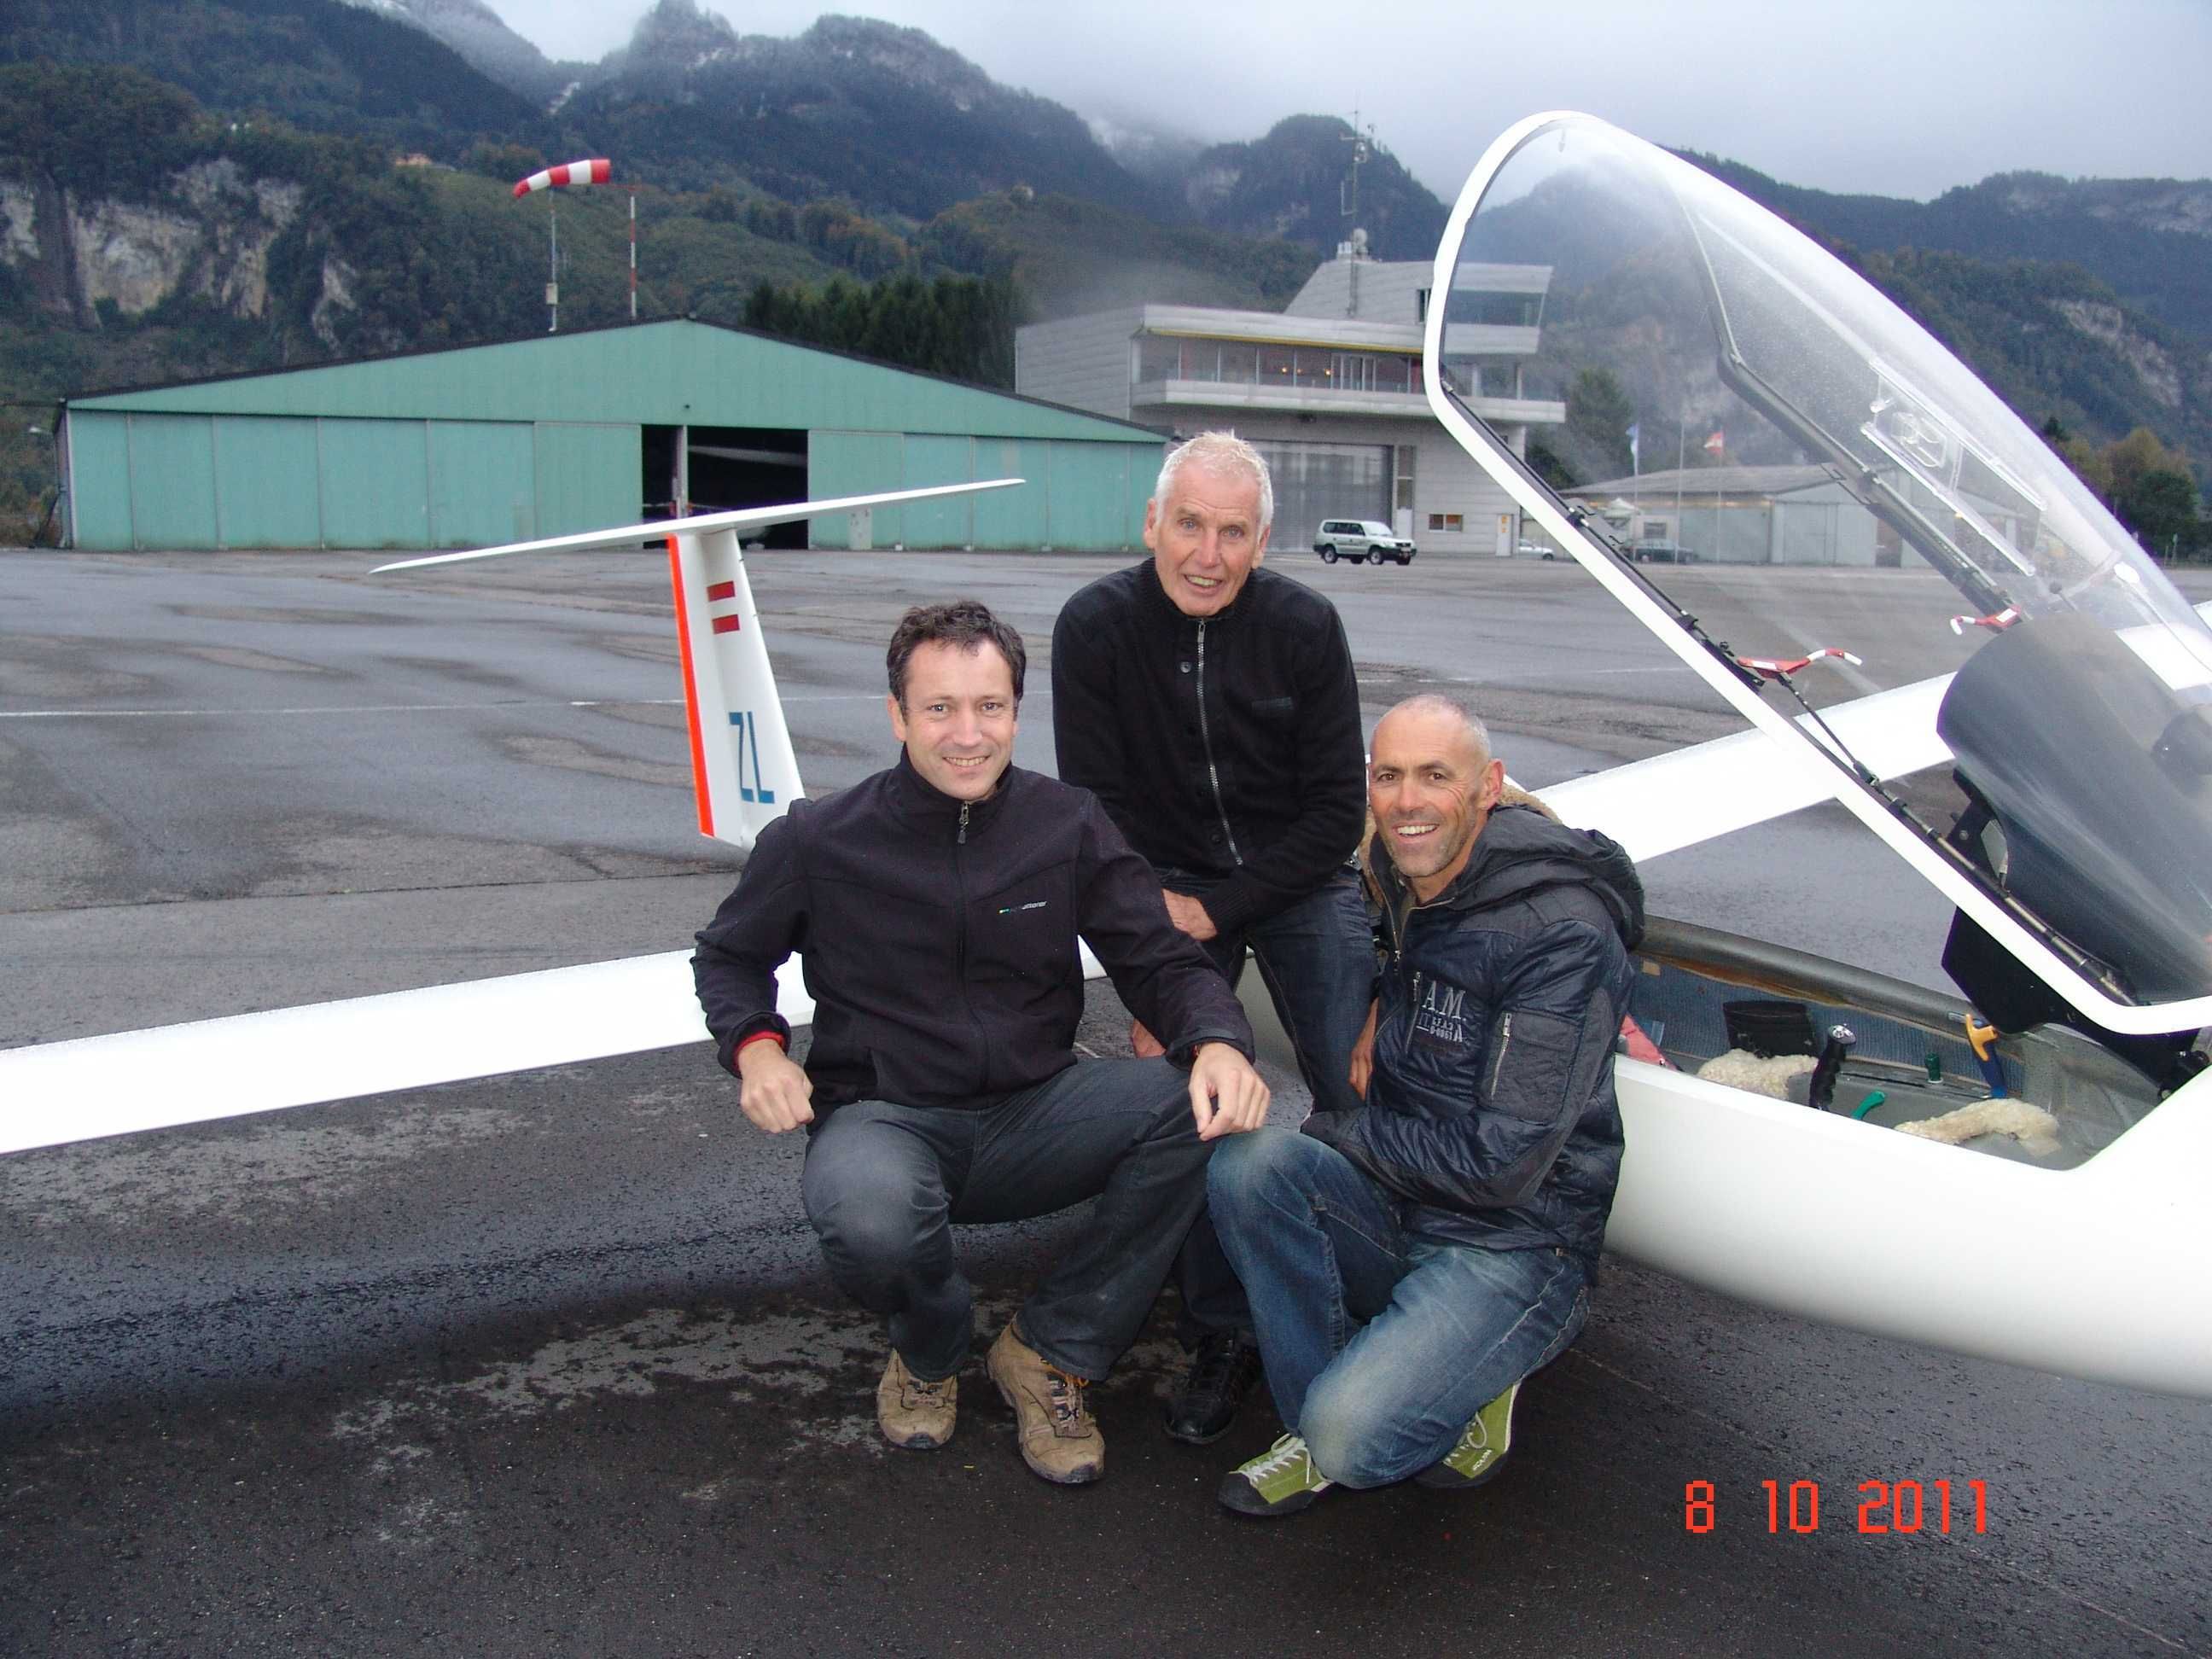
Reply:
x=1360, y=538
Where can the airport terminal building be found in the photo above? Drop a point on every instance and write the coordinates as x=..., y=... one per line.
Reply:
x=1331, y=390
x=564, y=433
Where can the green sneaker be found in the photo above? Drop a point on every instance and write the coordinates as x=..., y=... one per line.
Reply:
x=1281, y=1481
x=1482, y=1447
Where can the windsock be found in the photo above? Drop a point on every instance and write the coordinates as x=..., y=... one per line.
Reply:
x=593, y=172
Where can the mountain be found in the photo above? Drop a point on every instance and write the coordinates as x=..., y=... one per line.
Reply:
x=1068, y=256
x=321, y=64
x=2148, y=239
x=482, y=38
x=2054, y=340
x=882, y=115
x=1291, y=185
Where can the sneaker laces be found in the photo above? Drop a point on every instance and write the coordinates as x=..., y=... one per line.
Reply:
x=1071, y=1415
x=1287, y=1451
x=914, y=1394
x=1214, y=1368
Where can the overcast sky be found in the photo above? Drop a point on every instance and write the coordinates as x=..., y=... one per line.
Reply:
x=1892, y=97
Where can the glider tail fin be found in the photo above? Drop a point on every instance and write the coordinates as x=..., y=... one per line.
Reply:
x=744, y=771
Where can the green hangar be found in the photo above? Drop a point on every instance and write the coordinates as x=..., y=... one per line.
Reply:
x=561, y=433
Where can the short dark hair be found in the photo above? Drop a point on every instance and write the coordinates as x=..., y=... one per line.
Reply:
x=964, y=624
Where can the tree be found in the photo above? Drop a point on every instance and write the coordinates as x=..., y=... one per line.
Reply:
x=2159, y=505
x=1595, y=438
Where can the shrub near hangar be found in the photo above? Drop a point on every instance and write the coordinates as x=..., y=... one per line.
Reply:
x=564, y=433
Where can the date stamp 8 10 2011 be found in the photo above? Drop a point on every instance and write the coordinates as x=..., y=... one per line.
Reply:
x=1885, y=1506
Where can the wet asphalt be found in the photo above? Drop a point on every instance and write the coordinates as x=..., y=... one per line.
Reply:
x=547, y=1364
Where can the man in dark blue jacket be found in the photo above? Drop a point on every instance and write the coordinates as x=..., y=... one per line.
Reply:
x=936, y=908
x=1411, y=1260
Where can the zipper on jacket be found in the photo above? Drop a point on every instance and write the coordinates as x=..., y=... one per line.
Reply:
x=1497, y=1062
x=960, y=951
x=1205, y=739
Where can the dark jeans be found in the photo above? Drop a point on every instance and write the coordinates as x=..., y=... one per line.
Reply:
x=1380, y=1345
x=1317, y=961
x=885, y=1183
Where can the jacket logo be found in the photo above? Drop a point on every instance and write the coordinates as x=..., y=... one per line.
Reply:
x=1016, y=909
x=1440, y=1021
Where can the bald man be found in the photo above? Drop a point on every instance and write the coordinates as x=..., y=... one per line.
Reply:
x=1409, y=1261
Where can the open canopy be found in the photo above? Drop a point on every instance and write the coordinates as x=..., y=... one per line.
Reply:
x=1763, y=456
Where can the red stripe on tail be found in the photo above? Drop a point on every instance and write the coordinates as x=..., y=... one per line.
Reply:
x=690, y=695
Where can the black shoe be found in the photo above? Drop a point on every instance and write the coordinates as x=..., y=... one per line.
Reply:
x=1222, y=1372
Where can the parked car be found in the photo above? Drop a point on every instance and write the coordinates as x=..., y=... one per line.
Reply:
x=1660, y=552
x=1535, y=551
x=1360, y=538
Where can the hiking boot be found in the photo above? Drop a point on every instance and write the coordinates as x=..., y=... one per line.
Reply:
x=1222, y=1372
x=912, y=1414
x=1281, y=1481
x=1482, y=1447
x=1058, y=1438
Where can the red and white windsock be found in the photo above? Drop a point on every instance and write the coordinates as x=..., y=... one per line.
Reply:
x=594, y=172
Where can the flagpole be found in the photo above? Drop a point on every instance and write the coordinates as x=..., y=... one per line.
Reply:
x=1681, y=465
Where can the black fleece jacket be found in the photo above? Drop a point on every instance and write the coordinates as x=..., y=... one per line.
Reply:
x=1227, y=746
x=938, y=940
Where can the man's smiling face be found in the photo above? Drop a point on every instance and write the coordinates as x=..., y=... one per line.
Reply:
x=1430, y=787
x=1205, y=535
x=957, y=722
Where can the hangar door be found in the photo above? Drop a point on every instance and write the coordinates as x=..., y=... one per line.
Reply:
x=1317, y=481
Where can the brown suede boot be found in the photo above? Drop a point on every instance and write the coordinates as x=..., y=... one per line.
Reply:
x=1059, y=1440
x=912, y=1414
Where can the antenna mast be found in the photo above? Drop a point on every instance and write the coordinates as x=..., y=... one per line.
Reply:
x=1353, y=248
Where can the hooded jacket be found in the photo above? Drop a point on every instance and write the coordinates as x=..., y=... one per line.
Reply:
x=1490, y=1112
x=939, y=938
x=1225, y=746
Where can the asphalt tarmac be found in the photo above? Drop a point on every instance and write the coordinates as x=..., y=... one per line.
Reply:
x=547, y=1364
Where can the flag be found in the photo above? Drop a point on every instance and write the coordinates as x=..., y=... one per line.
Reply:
x=1632, y=436
x=1716, y=443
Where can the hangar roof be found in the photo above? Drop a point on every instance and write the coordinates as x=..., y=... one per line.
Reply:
x=677, y=370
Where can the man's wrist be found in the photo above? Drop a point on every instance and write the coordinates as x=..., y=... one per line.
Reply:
x=754, y=1041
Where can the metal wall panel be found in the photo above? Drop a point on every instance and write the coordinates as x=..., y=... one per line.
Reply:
x=265, y=482
x=1090, y=504
x=99, y=480
x=173, y=502
x=930, y=459
x=1012, y=518
x=483, y=483
x=855, y=463
x=589, y=476
x=375, y=484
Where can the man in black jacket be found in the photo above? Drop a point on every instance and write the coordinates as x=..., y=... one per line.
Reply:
x=935, y=907
x=1411, y=1260
x=1211, y=707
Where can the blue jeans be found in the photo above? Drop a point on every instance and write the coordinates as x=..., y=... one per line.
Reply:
x=1317, y=960
x=883, y=1184
x=1380, y=1346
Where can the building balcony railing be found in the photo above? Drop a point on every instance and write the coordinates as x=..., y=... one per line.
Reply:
x=1341, y=401
x=1290, y=398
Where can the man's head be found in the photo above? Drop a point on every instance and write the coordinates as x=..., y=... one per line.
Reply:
x=1207, y=521
x=1430, y=785
x=956, y=687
